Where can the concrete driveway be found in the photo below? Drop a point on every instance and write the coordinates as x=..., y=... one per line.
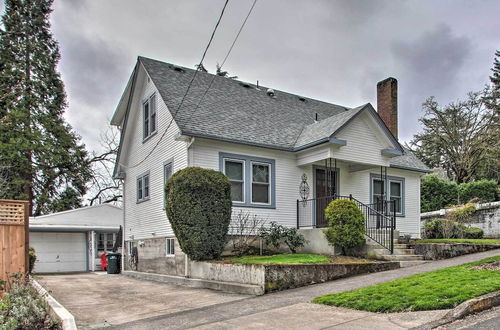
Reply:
x=100, y=299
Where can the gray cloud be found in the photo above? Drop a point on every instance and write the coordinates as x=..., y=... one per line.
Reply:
x=330, y=50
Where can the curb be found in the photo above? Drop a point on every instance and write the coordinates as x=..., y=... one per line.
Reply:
x=468, y=307
x=67, y=319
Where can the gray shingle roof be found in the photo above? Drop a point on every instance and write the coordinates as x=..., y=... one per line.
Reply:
x=240, y=112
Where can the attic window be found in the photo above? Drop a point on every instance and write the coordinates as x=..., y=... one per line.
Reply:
x=178, y=69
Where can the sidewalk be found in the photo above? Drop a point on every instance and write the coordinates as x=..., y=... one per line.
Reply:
x=291, y=309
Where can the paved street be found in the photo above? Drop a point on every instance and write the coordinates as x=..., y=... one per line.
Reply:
x=133, y=304
x=487, y=320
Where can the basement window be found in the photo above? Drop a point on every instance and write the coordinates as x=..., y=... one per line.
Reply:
x=170, y=247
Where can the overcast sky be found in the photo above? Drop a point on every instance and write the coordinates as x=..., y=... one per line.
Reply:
x=334, y=51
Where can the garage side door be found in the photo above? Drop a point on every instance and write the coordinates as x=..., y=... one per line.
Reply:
x=59, y=252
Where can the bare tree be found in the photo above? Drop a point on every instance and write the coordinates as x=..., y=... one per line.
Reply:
x=458, y=137
x=103, y=188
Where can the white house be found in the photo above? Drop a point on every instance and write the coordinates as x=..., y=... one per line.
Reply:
x=72, y=241
x=275, y=147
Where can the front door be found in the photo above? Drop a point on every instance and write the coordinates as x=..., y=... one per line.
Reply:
x=326, y=186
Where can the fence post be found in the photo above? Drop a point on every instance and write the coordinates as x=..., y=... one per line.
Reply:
x=350, y=197
x=298, y=225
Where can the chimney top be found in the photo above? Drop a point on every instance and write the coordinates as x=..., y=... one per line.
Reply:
x=387, y=103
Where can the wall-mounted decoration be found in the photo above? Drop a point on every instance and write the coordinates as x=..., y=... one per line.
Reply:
x=304, y=189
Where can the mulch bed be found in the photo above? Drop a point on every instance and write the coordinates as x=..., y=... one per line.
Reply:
x=489, y=266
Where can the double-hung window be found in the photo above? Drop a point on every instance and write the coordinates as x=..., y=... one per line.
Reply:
x=149, y=117
x=392, y=190
x=252, y=179
x=235, y=171
x=261, y=183
x=143, y=187
x=396, y=195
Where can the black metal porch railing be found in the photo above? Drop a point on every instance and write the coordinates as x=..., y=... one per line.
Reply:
x=380, y=217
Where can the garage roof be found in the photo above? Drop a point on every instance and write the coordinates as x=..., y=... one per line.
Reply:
x=104, y=217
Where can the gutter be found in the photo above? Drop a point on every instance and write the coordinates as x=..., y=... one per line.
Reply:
x=70, y=228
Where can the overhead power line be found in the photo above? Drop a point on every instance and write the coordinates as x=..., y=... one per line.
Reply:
x=187, y=89
x=224, y=61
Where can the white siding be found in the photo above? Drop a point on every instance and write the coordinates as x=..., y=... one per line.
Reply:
x=364, y=142
x=144, y=219
x=205, y=153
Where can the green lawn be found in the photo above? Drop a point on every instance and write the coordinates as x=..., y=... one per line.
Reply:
x=440, y=289
x=281, y=259
x=460, y=240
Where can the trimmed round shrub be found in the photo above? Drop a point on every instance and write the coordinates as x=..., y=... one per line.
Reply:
x=346, y=224
x=473, y=233
x=198, y=206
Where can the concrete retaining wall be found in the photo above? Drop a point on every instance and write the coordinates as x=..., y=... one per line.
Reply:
x=281, y=277
x=436, y=251
x=239, y=273
x=487, y=217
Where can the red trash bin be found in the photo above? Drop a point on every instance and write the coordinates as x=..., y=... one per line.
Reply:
x=104, y=261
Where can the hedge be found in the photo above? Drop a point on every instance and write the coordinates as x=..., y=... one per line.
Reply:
x=483, y=190
x=198, y=206
x=436, y=193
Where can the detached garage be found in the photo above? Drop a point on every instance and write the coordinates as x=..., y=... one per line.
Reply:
x=72, y=241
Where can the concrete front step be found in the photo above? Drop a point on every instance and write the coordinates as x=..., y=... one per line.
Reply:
x=385, y=252
x=410, y=263
x=378, y=246
x=402, y=257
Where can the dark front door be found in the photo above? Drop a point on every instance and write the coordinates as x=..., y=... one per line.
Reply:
x=325, y=187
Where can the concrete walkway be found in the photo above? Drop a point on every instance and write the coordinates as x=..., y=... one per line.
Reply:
x=291, y=309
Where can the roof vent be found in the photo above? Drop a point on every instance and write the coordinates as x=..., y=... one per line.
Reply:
x=302, y=99
x=270, y=92
x=178, y=69
x=245, y=85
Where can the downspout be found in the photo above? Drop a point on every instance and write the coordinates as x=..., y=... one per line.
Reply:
x=123, y=231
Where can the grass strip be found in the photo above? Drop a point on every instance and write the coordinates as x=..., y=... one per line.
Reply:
x=441, y=289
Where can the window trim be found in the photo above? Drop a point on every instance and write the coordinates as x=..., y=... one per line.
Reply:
x=167, y=239
x=387, y=185
x=252, y=182
x=150, y=112
x=243, y=162
x=165, y=163
x=247, y=174
x=141, y=178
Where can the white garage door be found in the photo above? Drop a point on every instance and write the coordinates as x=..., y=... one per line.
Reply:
x=59, y=252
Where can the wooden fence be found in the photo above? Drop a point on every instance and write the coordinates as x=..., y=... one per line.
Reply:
x=14, y=238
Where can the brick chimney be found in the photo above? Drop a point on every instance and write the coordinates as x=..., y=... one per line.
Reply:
x=387, y=103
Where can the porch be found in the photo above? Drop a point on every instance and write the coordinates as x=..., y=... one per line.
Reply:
x=365, y=184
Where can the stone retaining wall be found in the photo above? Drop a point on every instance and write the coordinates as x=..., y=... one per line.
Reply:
x=487, y=217
x=436, y=251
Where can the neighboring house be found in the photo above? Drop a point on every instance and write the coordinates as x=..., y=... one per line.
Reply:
x=266, y=141
x=72, y=241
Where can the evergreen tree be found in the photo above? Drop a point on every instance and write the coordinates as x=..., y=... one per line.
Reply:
x=42, y=159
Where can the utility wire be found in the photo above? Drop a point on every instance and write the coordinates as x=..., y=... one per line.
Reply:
x=224, y=61
x=187, y=90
